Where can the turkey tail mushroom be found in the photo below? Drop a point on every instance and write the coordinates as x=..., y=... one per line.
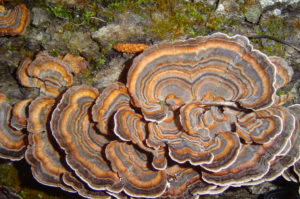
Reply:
x=14, y=22
x=195, y=117
x=50, y=74
x=12, y=142
x=71, y=127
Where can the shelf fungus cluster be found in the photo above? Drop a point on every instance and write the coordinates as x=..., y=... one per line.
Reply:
x=13, y=21
x=195, y=117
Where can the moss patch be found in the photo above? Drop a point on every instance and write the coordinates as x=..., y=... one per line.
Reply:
x=276, y=27
x=173, y=18
x=9, y=175
x=17, y=177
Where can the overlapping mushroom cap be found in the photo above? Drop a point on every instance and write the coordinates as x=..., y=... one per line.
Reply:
x=50, y=74
x=12, y=142
x=14, y=22
x=186, y=71
x=194, y=118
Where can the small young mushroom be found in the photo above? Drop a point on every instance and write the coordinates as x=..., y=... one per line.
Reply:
x=129, y=48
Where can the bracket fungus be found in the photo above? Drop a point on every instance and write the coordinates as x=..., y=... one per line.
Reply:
x=50, y=74
x=195, y=117
x=14, y=21
x=12, y=142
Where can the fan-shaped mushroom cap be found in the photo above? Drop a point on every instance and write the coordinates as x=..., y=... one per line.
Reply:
x=222, y=152
x=225, y=66
x=259, y=127
x=12, y=143
x=48, y=169
x=19, y=116
x=54, y=73
x=14, y=22
x=290, y=175
x=44, y=156
x=254, y=162
x=290, y=152
x=284, y=75
x=112, y=98
x=23, y=77
x=164, y=132
x=204, y=121
x=284, y=72
x=74, y=181
x=48, y=73
x=38, y=113
x=129, y=126
x=184, y=182
x=71, y=127
x=132, y=167
x=45, y=161
x=249, y=160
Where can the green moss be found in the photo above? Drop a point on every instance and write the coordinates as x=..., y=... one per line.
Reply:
x=123, y=5
x=188, y=18
x=162, y=102
x=9, y=175
x=95, y=65
x=55, y=52
x=88, y=75
x=273, y=26
x=10, y=48
x=83, y=14
x=276, y=49
x=17, y=176
x=168, y=18
x=281, y=93
x=39, y=193
x=27, y=52
x=60, y=11
x=101, y=60
x=88, y=15
x=271, y=50
x=70, y=27
x=173, y=18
